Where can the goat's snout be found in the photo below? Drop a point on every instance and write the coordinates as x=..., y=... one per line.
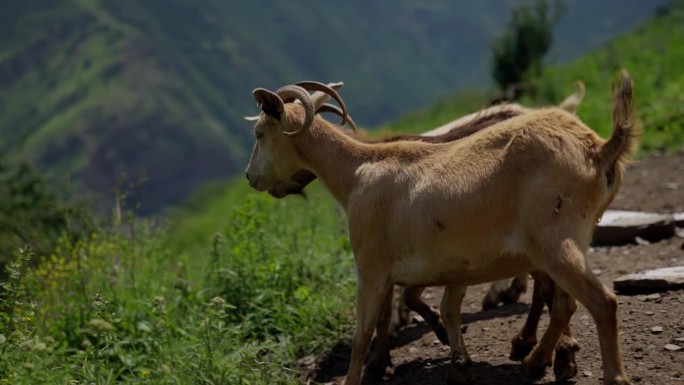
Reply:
x=252, y=180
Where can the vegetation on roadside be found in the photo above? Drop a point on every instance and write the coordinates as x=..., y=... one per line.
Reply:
x=137, y=304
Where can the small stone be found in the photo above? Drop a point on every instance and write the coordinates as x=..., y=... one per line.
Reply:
x=587, y=373
x=653, y=297
x=485, y=329
x=673, y=347
x=597, y=272
x=648, y=312
x=641, y=241
x=679, y=339
x=657, y=329
x=680, y=233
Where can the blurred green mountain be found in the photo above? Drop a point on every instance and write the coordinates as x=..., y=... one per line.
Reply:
x=653, y=54
x=113, y=92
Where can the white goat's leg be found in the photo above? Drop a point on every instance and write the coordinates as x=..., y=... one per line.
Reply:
x=496, y=289
x=570, y=272
x=501, y=292
x=517, y=287
x=370, y=296
x=380, y=362
x=534, y=365
x=450, y=308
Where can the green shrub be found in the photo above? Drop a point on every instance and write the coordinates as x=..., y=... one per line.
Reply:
x=121, y=306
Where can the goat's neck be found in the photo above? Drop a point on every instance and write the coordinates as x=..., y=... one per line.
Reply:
x=334, y=157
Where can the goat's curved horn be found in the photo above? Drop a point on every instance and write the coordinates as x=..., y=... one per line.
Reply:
x=327, y=107
x=318, y=97
x=290, y=93
x=316, y=86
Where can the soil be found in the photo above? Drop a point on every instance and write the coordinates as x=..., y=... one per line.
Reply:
x=653, y=184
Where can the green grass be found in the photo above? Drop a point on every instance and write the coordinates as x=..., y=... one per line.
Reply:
x=230, y=300
x=653, y=55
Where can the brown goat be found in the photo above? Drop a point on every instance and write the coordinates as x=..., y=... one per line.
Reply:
x=523, y=342
x=523, y=195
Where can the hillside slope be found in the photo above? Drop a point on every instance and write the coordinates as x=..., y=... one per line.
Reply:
x=112, y=92
x=652, y=53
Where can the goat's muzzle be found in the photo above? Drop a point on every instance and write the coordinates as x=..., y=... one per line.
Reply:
x=252, y=181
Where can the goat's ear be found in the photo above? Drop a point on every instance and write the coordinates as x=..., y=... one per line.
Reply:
x=270, y=103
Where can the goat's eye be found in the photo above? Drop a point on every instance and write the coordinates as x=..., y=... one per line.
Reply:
x=259, y=135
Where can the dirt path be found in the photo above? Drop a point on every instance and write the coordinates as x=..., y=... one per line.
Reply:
x=654, y=184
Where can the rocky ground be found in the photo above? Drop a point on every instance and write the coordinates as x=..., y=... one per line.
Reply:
x=648, y=322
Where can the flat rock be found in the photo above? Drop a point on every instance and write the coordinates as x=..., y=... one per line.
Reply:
x=651, y=281
x=679, y=219
x=673, y=347
x=619, y=227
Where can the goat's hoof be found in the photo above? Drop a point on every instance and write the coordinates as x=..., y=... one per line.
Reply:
x=441, y=332
x=460, y=374
x=379, y=367
x=520, y=348
x=490, y=302
x=564, y=364
x=619, y=380
x=534, y=369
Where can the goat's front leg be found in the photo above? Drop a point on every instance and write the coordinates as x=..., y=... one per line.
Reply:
x=370, y=296
x=380, y=362
x=450, y=308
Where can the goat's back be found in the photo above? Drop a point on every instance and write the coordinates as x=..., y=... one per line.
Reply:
x=485, y=196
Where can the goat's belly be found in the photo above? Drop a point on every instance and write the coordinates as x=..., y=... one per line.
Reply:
x=445, y=270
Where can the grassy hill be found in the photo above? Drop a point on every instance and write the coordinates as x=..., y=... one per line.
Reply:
x=652, y=53
x=114, y=92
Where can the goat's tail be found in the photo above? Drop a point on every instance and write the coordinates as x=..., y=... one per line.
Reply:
x=573, y=101
x=626, y=128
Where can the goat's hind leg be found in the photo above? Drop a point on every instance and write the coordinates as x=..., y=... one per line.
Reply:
x=562, y=309
x=564, y=364
x=523, y=342
x=450, y=308
x=412, y=298
x=571, y=274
